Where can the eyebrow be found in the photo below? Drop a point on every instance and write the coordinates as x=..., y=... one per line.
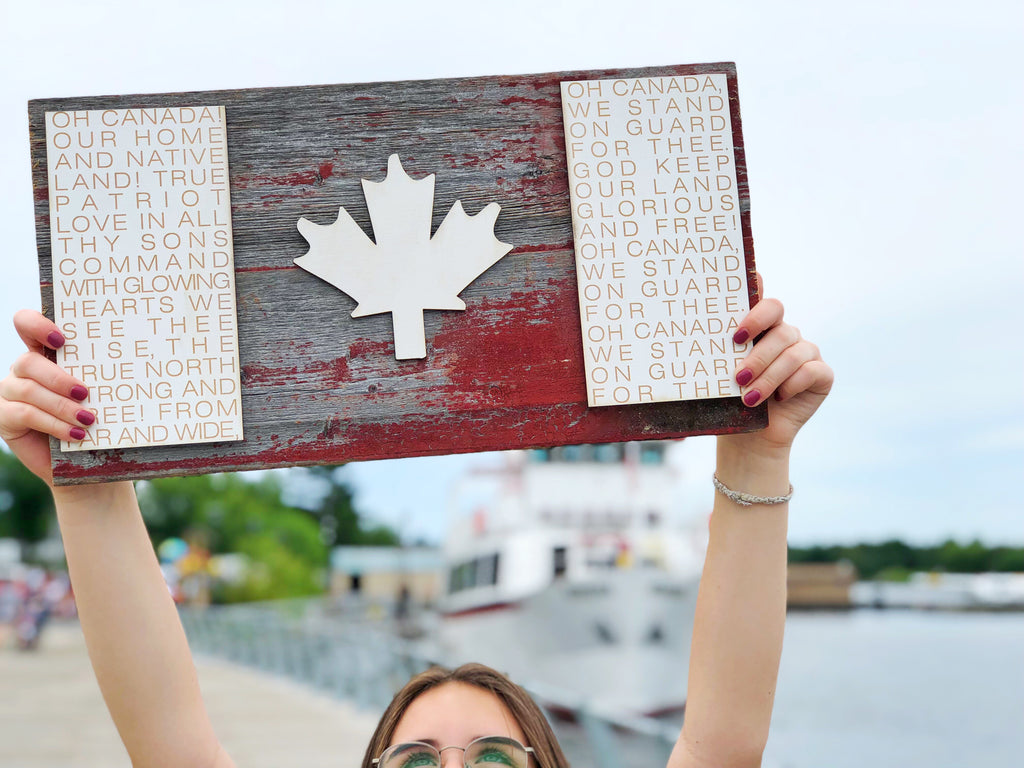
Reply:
x=437, y=744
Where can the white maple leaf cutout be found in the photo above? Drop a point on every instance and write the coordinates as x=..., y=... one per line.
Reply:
x=406, y=271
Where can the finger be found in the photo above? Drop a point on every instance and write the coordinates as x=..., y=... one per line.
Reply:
x=765, y=314
x=37, y=331
x=29, y=391
x=814, y=376
x=32, y=365
x=18, y=419
x=780, y=368
x=767, y=348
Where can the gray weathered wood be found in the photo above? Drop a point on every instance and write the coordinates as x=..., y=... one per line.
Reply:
x=320, y=387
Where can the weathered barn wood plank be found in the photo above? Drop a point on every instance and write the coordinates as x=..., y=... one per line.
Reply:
x=320, y=387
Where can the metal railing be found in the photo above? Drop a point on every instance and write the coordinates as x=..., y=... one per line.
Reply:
x=351, y=651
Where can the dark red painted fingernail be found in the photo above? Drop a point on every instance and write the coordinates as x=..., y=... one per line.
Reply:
x=55, y=339
x=78, y=392
x=741, y=336
x=85, y=417
x=744, y=377
x=752, y=397
x=77, y=433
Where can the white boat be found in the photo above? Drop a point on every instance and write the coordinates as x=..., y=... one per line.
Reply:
x=577, y=573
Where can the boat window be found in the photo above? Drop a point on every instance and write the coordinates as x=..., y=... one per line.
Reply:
x=609, y=453
x=481, y=571
x=651, y=453
x=460, y=577
x=603, y=633
x=487, y=570
x=572, y=453
x=561, y=561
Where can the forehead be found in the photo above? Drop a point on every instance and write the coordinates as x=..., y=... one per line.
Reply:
x=453, y=714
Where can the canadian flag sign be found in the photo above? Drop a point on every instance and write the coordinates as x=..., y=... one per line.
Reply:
x=322, y=274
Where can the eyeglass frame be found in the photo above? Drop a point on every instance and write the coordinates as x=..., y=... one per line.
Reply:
x=514, y=742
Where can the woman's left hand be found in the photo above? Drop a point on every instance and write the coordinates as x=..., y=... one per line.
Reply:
x=783, y=369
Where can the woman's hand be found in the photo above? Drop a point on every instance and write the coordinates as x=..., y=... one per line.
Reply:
x=783, y=369
x=39, y=399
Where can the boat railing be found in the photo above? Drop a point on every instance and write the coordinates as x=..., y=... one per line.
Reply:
x=356, y=652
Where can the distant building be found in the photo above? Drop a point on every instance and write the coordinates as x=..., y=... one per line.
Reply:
x=380, y=573
x=820, y=585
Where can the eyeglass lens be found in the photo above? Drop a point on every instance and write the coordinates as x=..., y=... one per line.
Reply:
x=487, y=752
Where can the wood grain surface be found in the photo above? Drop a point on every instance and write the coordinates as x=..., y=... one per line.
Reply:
x=319, y=387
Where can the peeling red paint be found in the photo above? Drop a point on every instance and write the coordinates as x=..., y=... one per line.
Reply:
x=536, y=102
x=329, y=372
x=544, y=247
x=519, y=352
x=336, y=441
x=336, y=370
x=507, y=372
x=299, y=178
x=367, y=347
x=268, y=268
x=295, y=179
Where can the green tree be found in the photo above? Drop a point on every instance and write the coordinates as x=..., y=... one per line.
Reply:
x=1007, y=560
x=963, y=558
x=232, y=514
x=26, y=506
x=895, y=559
x=331, y=505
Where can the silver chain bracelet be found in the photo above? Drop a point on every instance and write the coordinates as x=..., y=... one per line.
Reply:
x=749, y=499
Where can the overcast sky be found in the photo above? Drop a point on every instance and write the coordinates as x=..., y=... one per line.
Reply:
x=884, y=151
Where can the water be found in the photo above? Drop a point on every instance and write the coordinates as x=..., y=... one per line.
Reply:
x=892, y=689
x=885, y=689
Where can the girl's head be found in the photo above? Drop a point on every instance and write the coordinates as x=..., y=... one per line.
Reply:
x=451, y=708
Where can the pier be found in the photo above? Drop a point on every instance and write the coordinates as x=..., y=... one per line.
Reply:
x=52, y=714
x=284, y=683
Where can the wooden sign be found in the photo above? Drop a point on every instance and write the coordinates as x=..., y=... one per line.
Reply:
x=318, y=385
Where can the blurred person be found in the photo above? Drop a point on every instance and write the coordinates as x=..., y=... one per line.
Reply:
x=473, y=714
x=44, y=595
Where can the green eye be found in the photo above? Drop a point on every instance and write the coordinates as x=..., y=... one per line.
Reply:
x=419, y=760
x=493, y=755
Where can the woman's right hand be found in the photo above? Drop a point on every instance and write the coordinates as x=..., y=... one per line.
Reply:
x=39, y=399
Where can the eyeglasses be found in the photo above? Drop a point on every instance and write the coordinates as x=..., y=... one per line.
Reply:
x=487, y=752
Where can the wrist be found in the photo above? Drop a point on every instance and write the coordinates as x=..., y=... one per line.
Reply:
x=759, y=470
x=91, y=496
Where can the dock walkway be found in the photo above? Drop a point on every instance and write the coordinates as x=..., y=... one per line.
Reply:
x=52, y=714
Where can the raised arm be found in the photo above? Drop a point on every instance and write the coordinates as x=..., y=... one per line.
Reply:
x=741, y=605
x=136, y=642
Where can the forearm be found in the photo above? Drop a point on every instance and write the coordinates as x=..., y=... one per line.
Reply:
x=740, y=616
x=136, y=642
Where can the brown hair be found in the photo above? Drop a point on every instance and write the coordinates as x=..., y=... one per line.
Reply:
x=547, y=752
